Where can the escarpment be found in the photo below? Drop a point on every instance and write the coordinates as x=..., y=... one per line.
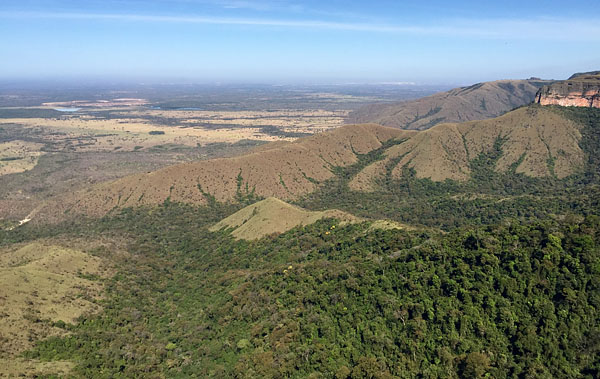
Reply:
x=580, y=90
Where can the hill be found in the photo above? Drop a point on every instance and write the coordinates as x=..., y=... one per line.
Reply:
x=477, y=102
x=283, y=170
x=533, y=141
x=273, y=216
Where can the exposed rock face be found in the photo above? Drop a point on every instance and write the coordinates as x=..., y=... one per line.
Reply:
x=580, y=90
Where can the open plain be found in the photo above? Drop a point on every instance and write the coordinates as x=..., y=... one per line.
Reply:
x=61, y=141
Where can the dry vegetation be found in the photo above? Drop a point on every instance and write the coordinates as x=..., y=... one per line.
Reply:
x=105, y=140
x=88, y=134
x=535, y=141
x=274, y=216
x=122, y=102
x=18, y=156
x=286, y=120
x=43, y=283
x=30, y=368
x=477, y=102
x=284, y=170
x=271, y=216
x=141, y=129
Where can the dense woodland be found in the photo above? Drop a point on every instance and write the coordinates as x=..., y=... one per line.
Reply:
x=488, y=288
x=510, y=300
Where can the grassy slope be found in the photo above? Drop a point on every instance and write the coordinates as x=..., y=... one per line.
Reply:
x=282, y=170
x=478, y=102
x=271, y=216
x=535, y=141
x=43, y=282
x=489, y=196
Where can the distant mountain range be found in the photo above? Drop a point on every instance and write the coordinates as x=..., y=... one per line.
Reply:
x=477, y=102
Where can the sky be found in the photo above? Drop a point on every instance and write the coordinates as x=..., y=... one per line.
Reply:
x=310, y=41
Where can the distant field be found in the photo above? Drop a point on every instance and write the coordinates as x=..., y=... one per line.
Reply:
x=141, y=129
x=92, y=145
x=18, y=156
x=56, y=140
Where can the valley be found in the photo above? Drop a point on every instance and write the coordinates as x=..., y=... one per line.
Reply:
x=273, y=189
x=314, y=249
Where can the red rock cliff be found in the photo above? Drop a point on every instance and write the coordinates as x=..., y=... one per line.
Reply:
x=580, y=90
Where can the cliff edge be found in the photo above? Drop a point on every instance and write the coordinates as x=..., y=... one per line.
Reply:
x=580, y=90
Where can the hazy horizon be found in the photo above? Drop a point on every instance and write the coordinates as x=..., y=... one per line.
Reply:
x=296, y=42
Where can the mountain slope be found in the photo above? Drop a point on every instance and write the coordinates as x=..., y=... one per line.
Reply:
x=284, y=170
x=535, y=141
x=477, y=102
x=273, y=216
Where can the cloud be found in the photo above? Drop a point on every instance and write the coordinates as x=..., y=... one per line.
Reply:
x=253, y=5
x=548, y=29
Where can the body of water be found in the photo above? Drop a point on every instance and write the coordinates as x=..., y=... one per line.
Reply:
x=67, y=109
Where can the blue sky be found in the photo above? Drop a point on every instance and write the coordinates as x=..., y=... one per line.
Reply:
x=278, y=41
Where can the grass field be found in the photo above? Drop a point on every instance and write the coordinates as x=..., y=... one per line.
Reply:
x=135, y=129
x=44, y=286
x=271, y=216
x=47, y=152
x=18, y=156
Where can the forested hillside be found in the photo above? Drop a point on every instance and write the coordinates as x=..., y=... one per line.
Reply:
x=511, y=300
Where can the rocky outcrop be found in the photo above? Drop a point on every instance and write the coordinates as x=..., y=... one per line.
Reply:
x=580, y=90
